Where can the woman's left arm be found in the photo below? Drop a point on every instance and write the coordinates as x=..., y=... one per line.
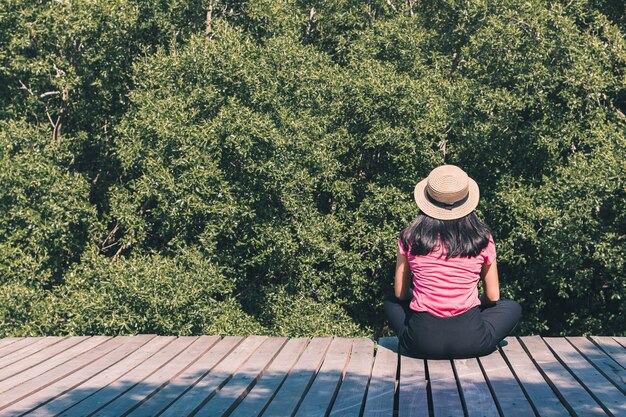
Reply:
x=402, y=284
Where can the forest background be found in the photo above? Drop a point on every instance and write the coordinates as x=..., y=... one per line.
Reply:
x=236, y=167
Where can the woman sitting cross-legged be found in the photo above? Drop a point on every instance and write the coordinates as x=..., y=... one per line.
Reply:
x=436, y=311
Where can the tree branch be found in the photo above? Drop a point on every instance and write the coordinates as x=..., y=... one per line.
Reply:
x=209, y=17
x=311, y=24
x=23, y=87
x=410, y=4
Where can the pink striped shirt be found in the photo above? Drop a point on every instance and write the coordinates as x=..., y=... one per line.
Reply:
x=443, y=287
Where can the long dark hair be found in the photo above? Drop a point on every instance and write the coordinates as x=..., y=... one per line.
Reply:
x=466, y=236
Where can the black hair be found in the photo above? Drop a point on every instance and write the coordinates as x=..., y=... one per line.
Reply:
x=466, y=236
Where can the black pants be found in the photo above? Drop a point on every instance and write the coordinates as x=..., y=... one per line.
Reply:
x=473, y=333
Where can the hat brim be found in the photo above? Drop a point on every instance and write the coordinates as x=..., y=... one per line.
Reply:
x=428, y=208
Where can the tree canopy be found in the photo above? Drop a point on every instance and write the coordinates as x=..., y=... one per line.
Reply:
x=214, y=166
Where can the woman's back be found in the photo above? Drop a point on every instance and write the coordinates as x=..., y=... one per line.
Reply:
x=446, y=287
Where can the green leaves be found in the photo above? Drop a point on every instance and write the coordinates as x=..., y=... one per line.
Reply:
x=257, y=181
x=46, y=216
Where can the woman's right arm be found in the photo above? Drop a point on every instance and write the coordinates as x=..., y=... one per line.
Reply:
x=491, y=285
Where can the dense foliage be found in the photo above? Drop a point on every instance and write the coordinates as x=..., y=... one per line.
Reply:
x=216, y=166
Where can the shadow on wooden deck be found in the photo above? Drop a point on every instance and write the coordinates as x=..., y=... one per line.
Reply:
x=149, y=375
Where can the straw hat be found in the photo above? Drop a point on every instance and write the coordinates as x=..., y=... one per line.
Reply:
x=447, y=193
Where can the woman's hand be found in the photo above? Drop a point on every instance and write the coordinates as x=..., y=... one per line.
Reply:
x=402, y=283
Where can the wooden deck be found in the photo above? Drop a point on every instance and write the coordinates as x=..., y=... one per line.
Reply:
x=148, y=375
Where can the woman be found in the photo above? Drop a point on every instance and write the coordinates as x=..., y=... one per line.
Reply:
x=436, y=311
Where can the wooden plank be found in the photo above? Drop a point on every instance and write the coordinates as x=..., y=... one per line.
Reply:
x=602, y=390
x=445, y=394
x=40, y=357
x=320, y=396
x=7, y=341
x=19, y=344
x=510, y=398
x=349, y=401
x=382, y=387
x=229, y=396
x=476, y=394
x=98, y=346
x=50, y=381
x=612, y=348
x=295, y=386
x=545, y=401
x=109, y=393
x=84, y=344
x=206, y=387
x=572, y=394
x=609, y=368
x=188, y=377
x=155, y=381
x=29, y=350
x=124, y=346
x=267, y=386
x=99, y=381
x=413, y=387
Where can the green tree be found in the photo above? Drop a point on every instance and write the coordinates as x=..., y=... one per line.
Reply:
x=246, y=167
